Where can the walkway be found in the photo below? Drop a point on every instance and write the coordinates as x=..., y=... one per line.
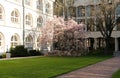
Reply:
x=20, y=57
x=100, y=70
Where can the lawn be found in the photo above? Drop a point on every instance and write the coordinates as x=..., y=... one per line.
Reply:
x=116, y=74
x=44, y=67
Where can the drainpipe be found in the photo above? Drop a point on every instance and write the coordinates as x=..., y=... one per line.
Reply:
x=23, y=22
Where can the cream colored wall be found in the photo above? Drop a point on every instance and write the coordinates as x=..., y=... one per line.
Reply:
x=7, y=28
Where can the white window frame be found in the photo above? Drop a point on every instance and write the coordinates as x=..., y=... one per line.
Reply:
x=39, y=5
x=14, y=41
x=48, y=6
x=29, y=41
x=14, y=17
x=1, y=13
x=28, y=20
x=1, y=40
x=39, y=21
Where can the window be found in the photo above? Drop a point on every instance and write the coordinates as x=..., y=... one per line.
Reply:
x=27, y=2
x=81, y=11
x=117, y=10
x=39, y=4
x=1, y=13
x=1, y=40
x=29, y=41
x=88, y=10
x=28, y=20
x=38, y=43
x=14, y=16
x=92, y=10
x=47, y=8
x=39, y=22
x=14, y=41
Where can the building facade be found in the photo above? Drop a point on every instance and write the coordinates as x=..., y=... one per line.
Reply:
x=85, y=10
x=20, y=21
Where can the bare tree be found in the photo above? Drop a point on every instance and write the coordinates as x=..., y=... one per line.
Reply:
x=106, y=20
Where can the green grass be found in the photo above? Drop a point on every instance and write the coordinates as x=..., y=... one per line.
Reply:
x=116, y=74
x=44, y=67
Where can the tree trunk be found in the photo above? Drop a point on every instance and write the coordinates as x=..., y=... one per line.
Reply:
x=108, y=45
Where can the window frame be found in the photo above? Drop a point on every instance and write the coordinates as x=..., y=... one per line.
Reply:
x=14, y=41
x=28, y=20
x=15, y=16
x=1, y=13
x=48, y=6
x=29, y=41
x=39, y=4
x=39, y=21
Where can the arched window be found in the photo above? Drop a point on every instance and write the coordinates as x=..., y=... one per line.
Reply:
x=1, y=13
x=29, y=41
x=39, y=4
x=39, y=22
x=14, y=41
x=28, y=20
x=1, y=39
x=15, y=16
x=38, y=43
x=48, y=8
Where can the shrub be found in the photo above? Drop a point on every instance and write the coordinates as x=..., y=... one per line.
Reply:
x=97, y=51
x=4, y=55
x=34, y=52
x=19, y=51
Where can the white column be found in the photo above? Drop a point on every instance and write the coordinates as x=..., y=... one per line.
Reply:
x=116, y=44
x=76, y=13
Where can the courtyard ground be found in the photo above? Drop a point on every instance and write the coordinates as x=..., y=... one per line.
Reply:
x=103, y=69
x=44, y=67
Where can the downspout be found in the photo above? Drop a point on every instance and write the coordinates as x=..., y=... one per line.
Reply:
x=23, y=22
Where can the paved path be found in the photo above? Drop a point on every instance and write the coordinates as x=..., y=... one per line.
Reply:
x=20, y=57
x=100, y=70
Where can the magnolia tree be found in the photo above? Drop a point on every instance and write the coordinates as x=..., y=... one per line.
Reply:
x=63, y=37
